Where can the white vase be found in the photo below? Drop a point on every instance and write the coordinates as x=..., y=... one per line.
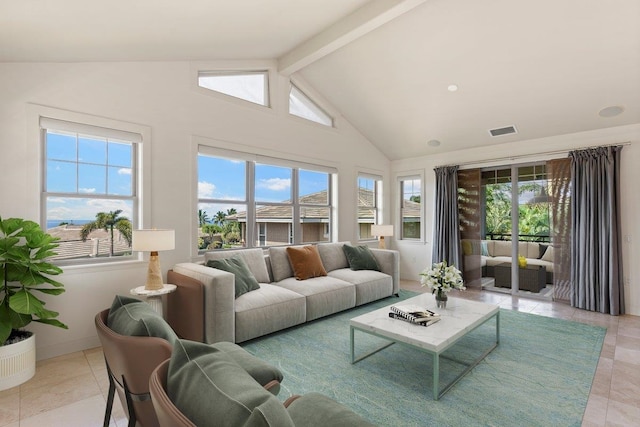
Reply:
x=17, y=362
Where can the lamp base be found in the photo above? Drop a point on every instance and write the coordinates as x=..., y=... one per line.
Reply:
x=381, y=243
x=154, y=274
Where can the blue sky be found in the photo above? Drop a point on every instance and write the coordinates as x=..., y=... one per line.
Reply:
x=226, y=180
x=87, y=166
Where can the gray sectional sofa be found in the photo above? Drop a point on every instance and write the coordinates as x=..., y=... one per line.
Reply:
x=204, y=308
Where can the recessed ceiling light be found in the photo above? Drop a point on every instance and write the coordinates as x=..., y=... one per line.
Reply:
x=452, y=88
x=611, y=111
x=433, y=143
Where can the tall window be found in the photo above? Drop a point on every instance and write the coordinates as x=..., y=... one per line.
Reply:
x=89, y=189
x=245, y=201
x=252, y=86
x=302, y=106
x=411, y=208
x=369, y=196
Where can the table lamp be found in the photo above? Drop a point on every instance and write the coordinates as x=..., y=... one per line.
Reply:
x=153, y=241
x=380, y=231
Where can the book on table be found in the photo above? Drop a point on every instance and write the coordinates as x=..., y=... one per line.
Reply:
x=424, y=322
x=414, y=313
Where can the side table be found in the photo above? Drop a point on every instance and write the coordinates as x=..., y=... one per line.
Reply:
x=154, y=297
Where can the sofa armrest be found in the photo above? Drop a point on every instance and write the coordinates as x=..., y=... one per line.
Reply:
x=389, y=262
x=218, y=302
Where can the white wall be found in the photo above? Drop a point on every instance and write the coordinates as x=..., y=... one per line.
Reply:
x=417, y=256
x=162, y=96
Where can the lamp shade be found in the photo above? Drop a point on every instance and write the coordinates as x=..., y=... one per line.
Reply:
x=381, y=230
x=153, y=240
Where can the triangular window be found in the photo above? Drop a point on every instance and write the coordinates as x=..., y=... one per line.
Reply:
x=302, y=106
x=251, y=86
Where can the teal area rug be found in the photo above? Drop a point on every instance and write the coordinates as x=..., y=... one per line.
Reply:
x=540, y=374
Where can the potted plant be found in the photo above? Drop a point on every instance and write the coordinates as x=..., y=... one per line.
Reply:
x=24, y=270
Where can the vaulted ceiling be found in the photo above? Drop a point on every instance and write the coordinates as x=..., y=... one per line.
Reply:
x=547, y=67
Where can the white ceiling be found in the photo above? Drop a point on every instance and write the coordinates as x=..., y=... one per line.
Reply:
x=545, y=66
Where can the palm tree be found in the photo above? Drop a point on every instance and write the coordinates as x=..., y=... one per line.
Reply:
x=220, y=217
x=231, y=211
x=107, y=222
x=203, y=217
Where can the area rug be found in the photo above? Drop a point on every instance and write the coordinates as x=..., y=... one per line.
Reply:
x=540, y=374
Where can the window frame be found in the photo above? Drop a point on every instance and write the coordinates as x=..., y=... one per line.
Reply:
x=314, y=106
x=400, y=185
x=251, y=160
x=377, y=203
x=237, y=72
x=110, y=128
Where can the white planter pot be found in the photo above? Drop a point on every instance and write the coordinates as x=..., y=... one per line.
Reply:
x=17, y=362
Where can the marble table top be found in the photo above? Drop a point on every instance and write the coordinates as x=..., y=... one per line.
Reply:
x=460, y=317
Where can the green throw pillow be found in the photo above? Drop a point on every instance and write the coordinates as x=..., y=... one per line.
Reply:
x=245, y=280
x=135, y=318
x=207, y=386
x=360, y=258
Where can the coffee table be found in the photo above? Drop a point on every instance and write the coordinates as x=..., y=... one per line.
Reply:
x=458, y=319
x=530, y=278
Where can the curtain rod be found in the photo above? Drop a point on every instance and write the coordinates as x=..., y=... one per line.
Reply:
x=544, y=153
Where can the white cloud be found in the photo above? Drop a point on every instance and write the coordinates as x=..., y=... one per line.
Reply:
x=205, y=189
x=87, y=190
x=275, y=184
x=124, y=171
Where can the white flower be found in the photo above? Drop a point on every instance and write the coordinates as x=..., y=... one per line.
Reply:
x=442, y=278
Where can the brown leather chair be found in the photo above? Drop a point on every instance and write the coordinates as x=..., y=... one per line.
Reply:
x=130, y=362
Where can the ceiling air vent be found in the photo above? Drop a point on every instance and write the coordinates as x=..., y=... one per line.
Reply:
x=503, y=131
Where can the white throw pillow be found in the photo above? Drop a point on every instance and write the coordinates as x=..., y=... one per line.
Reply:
x=548, y=254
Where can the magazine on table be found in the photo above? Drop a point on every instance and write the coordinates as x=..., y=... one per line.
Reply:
x=425, y=322
x=414, y=313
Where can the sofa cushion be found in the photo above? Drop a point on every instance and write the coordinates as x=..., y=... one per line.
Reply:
x=280, y=264
x=360, y=258
x=333, y=256
x=370, y=285
x=253, y=257
x=205, y=384
x=132, y=317
x=245, y=281
x=306, y=262
x=324, y=295
x=269, y=309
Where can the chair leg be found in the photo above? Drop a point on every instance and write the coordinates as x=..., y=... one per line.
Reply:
x=132, y=413
x=110, y=395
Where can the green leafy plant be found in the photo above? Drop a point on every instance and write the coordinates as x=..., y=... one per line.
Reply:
x=24, y=249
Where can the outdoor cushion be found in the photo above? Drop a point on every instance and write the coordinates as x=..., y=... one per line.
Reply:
x=306, y=262
x=360, y=258
x=132, y=317
x=245, y=281
x=207, y=386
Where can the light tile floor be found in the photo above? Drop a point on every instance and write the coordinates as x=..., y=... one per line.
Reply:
x=71, y=390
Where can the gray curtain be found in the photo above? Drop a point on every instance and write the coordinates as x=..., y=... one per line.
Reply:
x=446, y=232
x=596, y=249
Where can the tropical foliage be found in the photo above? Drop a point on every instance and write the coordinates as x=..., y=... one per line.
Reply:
x=24, y=249
x=108, y=222
x=533, y=219
x=221, y=232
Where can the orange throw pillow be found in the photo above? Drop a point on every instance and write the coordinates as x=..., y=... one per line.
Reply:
x=306, y=262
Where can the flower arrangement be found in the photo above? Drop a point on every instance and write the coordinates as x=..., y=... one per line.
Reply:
x=441, y=278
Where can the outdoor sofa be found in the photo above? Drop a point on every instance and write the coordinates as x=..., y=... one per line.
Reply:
x=494, y=252
x=205, y=307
